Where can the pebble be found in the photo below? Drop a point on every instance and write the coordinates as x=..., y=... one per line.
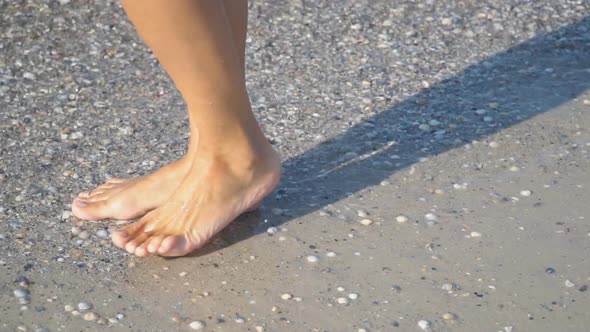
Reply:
x=69, y=308
x=83, y=306
x=480, y=111
x=475, y=234
x=488, y=119
x=494, y=144
x=569, y=284
x=424, y=324
x=102, y=233
x=525, y=193
x=449, y=287
x=312, y=259
x=272, y=230
x=430, y=216
x=120, y=316
x=366, y=222
x=286, y=296
x=76, y=230
x=240, y=320
x=42, y=329
x=424, y=127
x=362, y=330
x=401, y=219
x=549, y=270
x=342, y=300
x=353, y=296
x=362, y=213
x=197, y=325
x=29, y=76
x=514, y=169
x=21, y=293
x=75, y=313
x=90, y=316
x=449, y=316
x=83, y=235
x=331, y=254
x=183, y=274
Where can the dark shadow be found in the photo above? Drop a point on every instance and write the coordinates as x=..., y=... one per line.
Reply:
x=528, y=79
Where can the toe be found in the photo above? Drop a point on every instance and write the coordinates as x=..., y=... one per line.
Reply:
x=84, y=194
x=134, y=244
x=142, y=251
x=177, y=245
x=122, y=236
x=154, y=243
x=115, y=180
x=86, y=209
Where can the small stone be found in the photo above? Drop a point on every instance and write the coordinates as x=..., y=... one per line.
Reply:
x=42, y=329
x=430, y=216
x=494, y=144
x=525, y=193
x=446, y=21
x=312, y=259
x=21, y=293
x=366, y=222
x=240, y=320
x=83, y=235
x=83, y=306
x=475, y=234
x=331, y=254
x=22, y=328
x=401, y=219
x=75, y=313
x=449, y=316
x=480, y=111
x=197, y=325
x=183, y=274
x=493, y=105
x=113, y=320
x=340, y=289
x=569, y=284
x=65, y=215
x=102, y=233
x=76, y=230
x=424, y=127
x=69, y=308
x=362, y=213
x=514, y=169
x=120, y=316
x=424, y=324
x=434, y=123
x=488, y=119
x=449, y=287
x=24, y=300
x=286, y=296
x=353, y=296
x=29, y=76
x=549, y=270
x=362, y=330
x=342, y=300
x=272, y=230
x=90, y=316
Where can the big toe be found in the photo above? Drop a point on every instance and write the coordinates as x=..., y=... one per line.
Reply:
x=89, y=210
x=177, y=245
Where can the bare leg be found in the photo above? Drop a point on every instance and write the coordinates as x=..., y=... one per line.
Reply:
x=132, y=198
x=233, y=167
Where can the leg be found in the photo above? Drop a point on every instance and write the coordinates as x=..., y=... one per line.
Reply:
x=132, y=198
x=233, y=167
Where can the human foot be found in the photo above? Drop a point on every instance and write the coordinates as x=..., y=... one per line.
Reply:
x=213, y=194
x=130, y=198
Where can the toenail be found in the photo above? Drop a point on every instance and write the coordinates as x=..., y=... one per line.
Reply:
x=123, y=234
x=81, y=203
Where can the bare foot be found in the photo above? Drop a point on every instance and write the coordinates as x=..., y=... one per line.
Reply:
x=131, y=198
x=212, y=195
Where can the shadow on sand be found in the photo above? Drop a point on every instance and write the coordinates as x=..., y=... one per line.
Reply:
x=528, y=79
